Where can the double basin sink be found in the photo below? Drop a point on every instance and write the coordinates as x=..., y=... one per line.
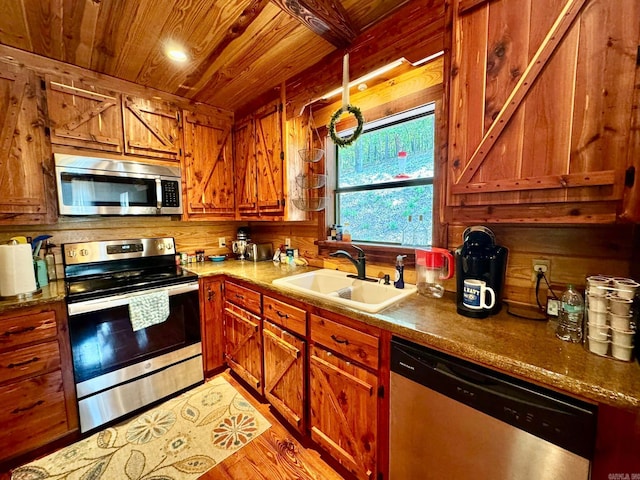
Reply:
x=336, y=287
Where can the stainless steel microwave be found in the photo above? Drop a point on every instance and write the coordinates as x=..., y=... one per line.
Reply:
x=99, y=186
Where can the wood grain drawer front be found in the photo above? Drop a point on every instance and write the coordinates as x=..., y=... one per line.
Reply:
x=291, y=318
x=242, y=296
x=20, y=330
x=28, y=361
x=32, y=413
x=354, y=344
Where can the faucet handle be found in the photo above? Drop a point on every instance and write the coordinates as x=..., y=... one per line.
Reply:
x=360, y=251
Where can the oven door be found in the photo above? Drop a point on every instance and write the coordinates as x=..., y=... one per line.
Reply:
x=118, y=370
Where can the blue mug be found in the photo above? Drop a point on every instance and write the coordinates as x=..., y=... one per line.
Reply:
x=474, y=294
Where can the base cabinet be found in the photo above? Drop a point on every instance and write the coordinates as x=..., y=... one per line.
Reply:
x=212, y=323
x=243, y=337
x=37, y=392
x=284, y=373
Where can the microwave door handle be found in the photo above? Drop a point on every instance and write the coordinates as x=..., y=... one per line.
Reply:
x=121, y=300
x=158, y=194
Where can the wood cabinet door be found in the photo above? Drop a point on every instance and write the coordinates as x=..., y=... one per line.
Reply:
x=243, y=344
x=27, y=192
x=541, y=111
x=208, y=166
x=284, y=373
x=212, y=323
x=270, y=159
x=244, y=142
x=344, y=414
x=151, y=128
x=84, y=115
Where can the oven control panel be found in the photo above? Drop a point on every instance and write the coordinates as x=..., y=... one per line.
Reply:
x=90, y=252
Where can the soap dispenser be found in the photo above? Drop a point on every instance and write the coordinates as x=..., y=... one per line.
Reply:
x=399, y=281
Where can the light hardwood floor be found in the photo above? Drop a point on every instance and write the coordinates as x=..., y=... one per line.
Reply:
x=275, y=455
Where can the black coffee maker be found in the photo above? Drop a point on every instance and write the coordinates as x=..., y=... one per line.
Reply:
x=479, y=258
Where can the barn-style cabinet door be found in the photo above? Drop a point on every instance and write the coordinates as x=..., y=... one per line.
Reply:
x=270, y=159
x=27, y=189
x=151, y=128
x=544, y=111
x=208, y=166
x=244, y=152
x=84, y=115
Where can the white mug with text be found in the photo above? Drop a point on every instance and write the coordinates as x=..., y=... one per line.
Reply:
x=474, y=294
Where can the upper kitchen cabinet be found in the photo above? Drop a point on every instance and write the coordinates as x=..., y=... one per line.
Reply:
x=84, y=115
x=544, y=112
x=27, y=192
x=151, y=128
x=260, y=163
x=208, y=165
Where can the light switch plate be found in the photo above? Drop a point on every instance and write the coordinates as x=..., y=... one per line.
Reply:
x=222, y=242
x=553, y=307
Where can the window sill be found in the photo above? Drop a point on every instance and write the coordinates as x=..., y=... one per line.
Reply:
x=375, y=252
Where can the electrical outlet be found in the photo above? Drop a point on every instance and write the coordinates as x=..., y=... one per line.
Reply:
x=540, y=264
x=287, y=242
x=222, y=242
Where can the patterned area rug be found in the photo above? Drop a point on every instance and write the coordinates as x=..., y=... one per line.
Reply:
x=180, y=439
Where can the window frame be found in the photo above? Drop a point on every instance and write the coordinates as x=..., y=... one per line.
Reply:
x=424, y=110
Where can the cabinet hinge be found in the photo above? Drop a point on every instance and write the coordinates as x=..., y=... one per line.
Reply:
x=630, y=177
x=380, y=476
x=180, y=149
x=280, y=107
x=381, y=391
x=638, y=57
x=47, y=131
x=282, y=156
x=43, y=84
x=178, y=117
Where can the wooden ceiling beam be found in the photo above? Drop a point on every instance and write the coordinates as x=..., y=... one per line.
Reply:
x=327, y=18
x=245, y=19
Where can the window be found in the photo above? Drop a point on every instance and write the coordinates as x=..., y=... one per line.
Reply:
x=384, y=181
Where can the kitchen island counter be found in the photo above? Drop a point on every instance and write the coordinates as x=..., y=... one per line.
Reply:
x=527, y=349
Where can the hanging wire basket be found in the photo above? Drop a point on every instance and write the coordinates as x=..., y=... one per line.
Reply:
x=311, y=180
x=311, y=155
x=312, y=204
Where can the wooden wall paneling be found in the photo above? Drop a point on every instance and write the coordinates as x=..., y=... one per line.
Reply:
x=414, y=31
x=44, y=17
x=17, y=33
x=303, y=235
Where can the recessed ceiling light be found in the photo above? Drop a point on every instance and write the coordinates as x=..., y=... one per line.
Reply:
x=177, y=54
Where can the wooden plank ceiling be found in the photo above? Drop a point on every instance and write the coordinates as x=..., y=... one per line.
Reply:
x=238, y=49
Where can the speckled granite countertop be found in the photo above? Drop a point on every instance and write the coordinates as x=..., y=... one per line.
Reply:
x=54, y=292
x=524, y=348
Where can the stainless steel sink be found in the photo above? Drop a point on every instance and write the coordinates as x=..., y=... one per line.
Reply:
x=336, y=287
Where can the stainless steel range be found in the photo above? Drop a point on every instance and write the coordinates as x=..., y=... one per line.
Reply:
x=134, y=324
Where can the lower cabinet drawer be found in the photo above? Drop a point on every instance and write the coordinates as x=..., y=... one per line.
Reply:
x=32, y=413
x=27, y=361
x=354, y=344
x=284, y=315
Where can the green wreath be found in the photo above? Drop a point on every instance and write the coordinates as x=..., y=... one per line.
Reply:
x=344, y=141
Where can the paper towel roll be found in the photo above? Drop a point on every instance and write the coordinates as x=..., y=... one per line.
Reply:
x=16, y=270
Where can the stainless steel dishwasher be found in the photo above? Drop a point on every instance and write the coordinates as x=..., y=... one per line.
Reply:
x=456, y=420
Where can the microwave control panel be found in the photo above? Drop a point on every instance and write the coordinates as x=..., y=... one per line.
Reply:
x=170, y=193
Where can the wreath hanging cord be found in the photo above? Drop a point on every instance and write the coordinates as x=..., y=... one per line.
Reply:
x=346, y=107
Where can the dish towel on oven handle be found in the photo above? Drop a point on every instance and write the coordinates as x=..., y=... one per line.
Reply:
x=148, y=309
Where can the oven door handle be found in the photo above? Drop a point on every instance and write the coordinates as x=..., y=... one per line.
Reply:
x=121, y=300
